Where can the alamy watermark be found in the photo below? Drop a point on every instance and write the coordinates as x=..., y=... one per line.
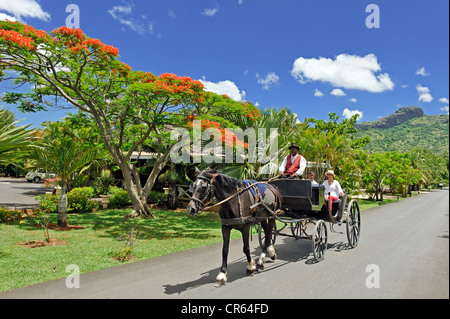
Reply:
x=73, y=19
x=73, y=280
x=373, y=280
x=373, y=19
x=224, y=146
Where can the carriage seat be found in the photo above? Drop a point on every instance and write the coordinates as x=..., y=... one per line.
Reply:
x=338, y=205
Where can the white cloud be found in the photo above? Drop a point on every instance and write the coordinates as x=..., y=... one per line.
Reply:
x=270, y=80
x=422, y=72
x=348, y=114
x=445, y=109
x=444, y=100
x=122, y=14
x=353, y=100
x=5, y=17
x=172, y=14
x=346, y=71
x=338, y=92
x=424, y=94
x=211, y=12
x=224, y=87
x=318, y=93
x=24, y=9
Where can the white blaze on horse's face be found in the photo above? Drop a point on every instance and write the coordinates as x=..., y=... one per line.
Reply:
x=200, y=192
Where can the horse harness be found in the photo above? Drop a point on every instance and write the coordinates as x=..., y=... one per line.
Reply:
x=256, y=201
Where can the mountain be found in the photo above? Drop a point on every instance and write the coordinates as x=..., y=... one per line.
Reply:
x=407, y=128
x=402, y=115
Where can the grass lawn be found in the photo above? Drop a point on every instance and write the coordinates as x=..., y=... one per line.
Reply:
x=94, y=247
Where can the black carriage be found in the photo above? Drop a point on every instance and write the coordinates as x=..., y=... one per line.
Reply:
x=304, y=203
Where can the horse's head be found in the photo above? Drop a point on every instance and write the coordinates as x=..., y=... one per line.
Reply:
x=201, y=191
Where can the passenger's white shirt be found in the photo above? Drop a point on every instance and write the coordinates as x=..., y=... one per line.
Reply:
x=332, y=190
x=302, y=164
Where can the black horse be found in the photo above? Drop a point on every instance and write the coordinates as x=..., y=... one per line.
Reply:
x=236, y=213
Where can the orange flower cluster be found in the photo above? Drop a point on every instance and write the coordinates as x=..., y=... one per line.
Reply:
x=172, y=84
x=207, y=124
x=17, y=38
x=252, y=113
x=77, y=43
x=33, y=32
x=184, y=80
x=70, y=32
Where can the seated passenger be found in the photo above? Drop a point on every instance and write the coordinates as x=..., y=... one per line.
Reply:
x=311, y=176
x=332, y=188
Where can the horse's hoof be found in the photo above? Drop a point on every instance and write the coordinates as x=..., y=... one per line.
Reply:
x=260, y=267
x=271, y=252
x=219, y=283
x=250, y=272
x=221, y=280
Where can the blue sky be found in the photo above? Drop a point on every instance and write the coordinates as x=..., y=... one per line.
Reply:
x=312, y=56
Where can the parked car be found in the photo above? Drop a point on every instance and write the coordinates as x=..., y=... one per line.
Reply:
x=39, y=176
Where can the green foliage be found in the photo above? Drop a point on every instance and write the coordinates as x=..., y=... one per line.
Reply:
x=119, y=197
x=157, y=197
x=13, y=138
x=103, y=183
x=78, y=200
x=430, y=132
x=48, y=203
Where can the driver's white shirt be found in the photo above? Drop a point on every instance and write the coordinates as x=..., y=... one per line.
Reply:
x=302, y=164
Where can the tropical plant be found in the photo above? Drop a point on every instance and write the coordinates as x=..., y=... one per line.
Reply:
x=13, y=138
x=64, y=158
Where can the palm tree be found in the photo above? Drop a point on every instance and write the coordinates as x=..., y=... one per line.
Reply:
x=285, y=122
x=64, y=156
x=12, y=137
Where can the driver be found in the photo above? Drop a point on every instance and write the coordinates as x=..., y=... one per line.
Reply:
x=293, y=164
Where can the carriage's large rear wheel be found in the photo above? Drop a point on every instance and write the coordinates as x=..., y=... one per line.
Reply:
x=262, y=235
x=353, y=224
x=320, y=240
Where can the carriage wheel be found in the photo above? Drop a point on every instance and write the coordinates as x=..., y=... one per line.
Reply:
x=320, y=240
x=262, y=235
x=353, y=224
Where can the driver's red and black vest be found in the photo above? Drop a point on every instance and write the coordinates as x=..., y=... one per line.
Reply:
x=292, y=168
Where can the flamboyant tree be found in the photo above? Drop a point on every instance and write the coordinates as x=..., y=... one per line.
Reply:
x=131, y=108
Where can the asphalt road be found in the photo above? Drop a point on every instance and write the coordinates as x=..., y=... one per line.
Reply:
x=403, y=253
x=17, y=193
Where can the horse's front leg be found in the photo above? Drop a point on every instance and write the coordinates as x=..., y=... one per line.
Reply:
x=251, y=265
x=222, y=278
x=268, y=247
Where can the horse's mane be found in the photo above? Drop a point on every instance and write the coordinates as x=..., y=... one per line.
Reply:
x=227, y=182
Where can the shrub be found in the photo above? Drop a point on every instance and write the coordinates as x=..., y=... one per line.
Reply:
x=78, y=200
x=103, y=183
x=119, y=197
x=6, y=215
x=156, y=197
x=49, y=203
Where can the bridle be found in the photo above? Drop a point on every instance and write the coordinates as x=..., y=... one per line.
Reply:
x=209, y=192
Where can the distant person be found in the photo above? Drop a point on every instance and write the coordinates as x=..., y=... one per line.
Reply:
x=311, y=177
x=332, y=188
x=294, y=164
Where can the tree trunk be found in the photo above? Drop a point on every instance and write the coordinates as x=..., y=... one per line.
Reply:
x=140, y=207
x=62, y=208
